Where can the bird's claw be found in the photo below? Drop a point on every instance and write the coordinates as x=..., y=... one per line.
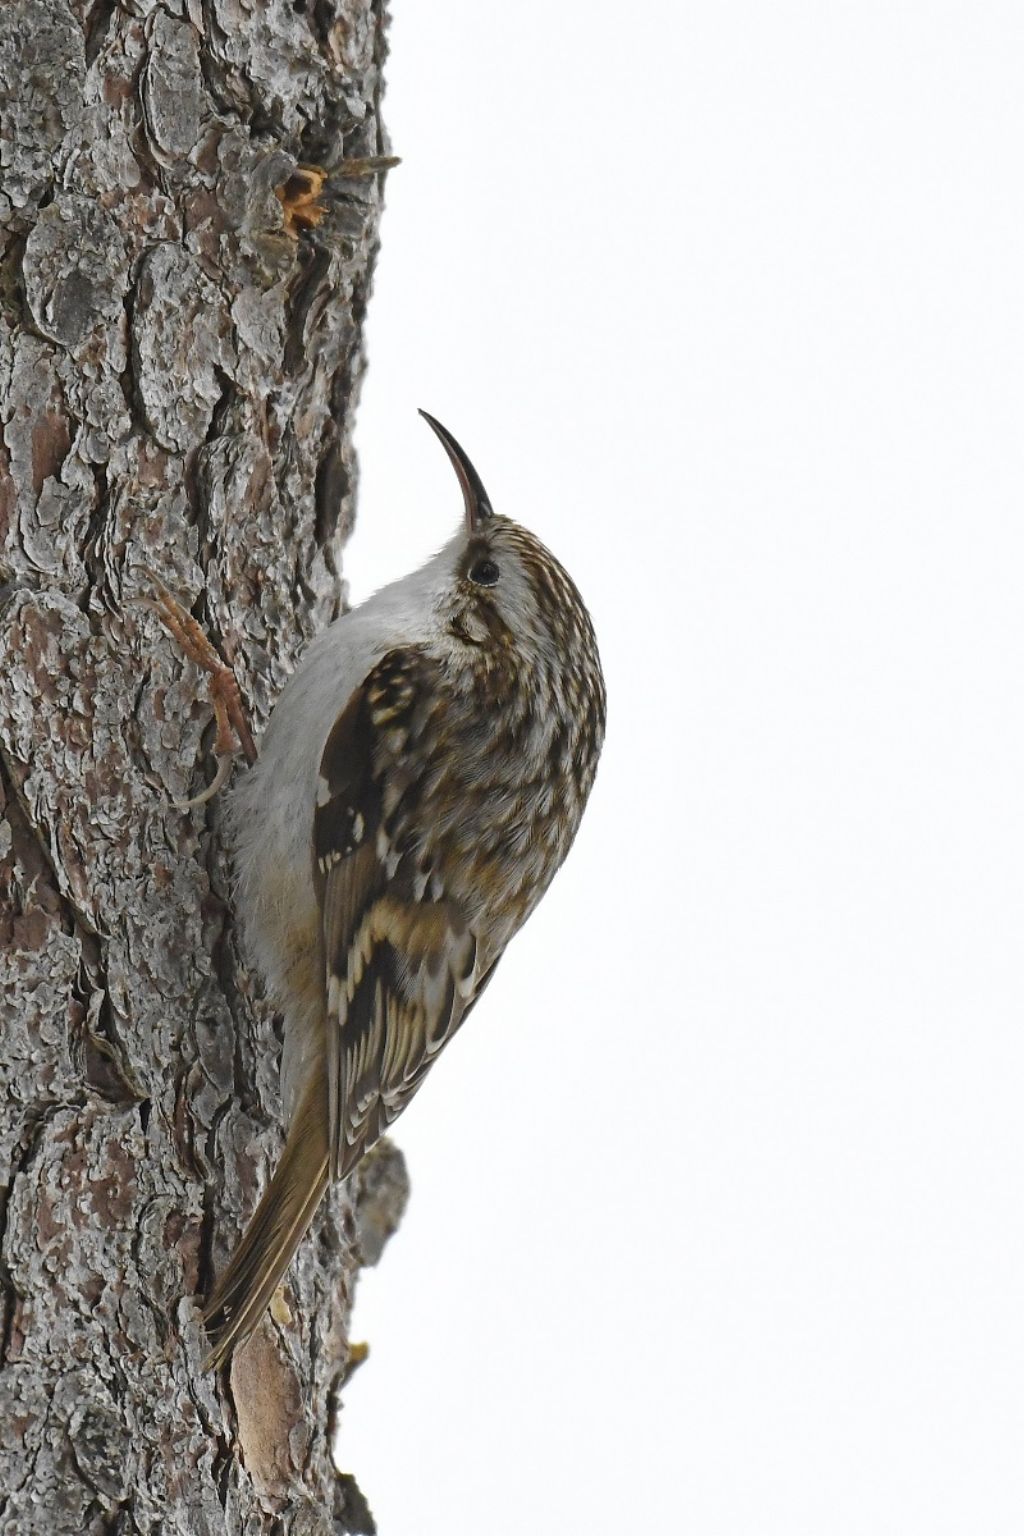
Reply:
x=215, y=785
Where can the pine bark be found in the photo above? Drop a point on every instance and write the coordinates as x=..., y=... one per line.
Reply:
x=178, y=373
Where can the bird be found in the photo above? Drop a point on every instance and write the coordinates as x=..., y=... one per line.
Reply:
x=421, y=778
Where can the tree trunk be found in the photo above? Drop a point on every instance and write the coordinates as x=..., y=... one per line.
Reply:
x=180, y=352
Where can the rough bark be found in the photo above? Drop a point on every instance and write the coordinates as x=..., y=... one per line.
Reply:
x=178, y=373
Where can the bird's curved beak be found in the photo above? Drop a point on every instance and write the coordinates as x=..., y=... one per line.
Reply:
x=478, y=505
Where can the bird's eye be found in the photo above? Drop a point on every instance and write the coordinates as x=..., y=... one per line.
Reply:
x=485, y=573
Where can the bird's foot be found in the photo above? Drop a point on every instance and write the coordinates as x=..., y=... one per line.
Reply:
x=233, y=733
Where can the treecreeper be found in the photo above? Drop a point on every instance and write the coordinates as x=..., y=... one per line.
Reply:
x=420, y=781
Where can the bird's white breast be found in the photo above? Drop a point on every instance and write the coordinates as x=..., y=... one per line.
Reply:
x=270, y=810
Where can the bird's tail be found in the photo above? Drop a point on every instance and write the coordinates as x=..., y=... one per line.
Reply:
x=288, y=1205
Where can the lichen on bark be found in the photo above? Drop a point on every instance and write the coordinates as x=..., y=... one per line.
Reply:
x=178, y=373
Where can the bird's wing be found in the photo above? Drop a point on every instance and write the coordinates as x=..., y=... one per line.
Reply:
x=400, y=958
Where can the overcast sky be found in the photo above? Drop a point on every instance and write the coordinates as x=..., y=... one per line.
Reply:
x=718, y=1210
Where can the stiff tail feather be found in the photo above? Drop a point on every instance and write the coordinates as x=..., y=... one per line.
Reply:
x=289, y=1203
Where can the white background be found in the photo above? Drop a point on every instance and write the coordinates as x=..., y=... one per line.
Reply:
x=718, y=1213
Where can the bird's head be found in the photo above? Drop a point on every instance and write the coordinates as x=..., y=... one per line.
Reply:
x=504, y=592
